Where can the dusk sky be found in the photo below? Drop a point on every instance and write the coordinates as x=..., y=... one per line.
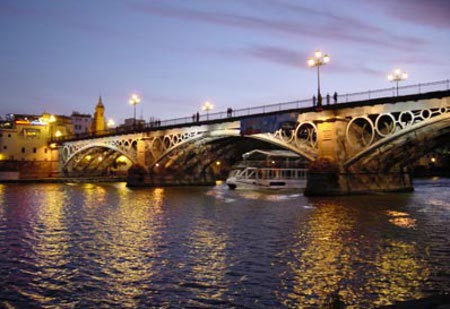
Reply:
x=59, y=56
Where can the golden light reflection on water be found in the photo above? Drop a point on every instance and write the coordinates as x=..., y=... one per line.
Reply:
x=128, y=245
x=401, y=219
x=208, y=256
x=322, y=259
x=2, y=200
x=326, y=255
x=94, y=195
x=49, y=241
x=400, y=273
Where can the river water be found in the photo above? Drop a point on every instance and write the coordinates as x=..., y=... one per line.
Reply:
x=105, y=245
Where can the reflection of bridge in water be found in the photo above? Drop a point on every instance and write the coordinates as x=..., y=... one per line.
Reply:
x=366, y=142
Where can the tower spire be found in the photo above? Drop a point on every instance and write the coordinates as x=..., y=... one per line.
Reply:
x=100, y=103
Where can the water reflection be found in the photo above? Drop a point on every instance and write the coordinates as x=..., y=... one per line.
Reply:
x=104, y=245
x=341, y=250
x=322, y=255
x=128, y=246
x=401, y=219
x=400, y=273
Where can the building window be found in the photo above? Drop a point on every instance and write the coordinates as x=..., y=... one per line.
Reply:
x=23, y=149
x=34, y=150
x=5, y=147
x=9, y=135
x=45, y=150
x=1, y=134
x=32, y=133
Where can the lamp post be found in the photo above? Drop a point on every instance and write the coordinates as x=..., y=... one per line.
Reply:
x=207, y=106
x=316, y=61
x=110, y=124
x=397, y=76
x=134, y=100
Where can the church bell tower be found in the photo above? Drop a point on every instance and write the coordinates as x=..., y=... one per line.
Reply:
x=99, y=117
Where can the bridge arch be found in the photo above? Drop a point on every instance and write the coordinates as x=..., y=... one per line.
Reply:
x=97, y=149
x=403, y=147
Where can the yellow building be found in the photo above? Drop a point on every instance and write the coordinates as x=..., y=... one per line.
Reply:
x=99, y=124
x=24, y=149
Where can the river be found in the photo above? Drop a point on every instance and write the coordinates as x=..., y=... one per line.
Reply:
x=105, y=245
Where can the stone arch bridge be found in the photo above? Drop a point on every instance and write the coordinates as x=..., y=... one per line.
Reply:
x=360, y=146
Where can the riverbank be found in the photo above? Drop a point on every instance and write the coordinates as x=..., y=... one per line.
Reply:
x=66, y=179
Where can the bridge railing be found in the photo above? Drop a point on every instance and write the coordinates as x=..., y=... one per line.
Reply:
x=270, y=108
x=392, y=91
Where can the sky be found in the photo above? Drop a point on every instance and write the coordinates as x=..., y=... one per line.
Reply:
x=59, y=56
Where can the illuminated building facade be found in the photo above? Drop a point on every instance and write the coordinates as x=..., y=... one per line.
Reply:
x=24, y=149
x=82, y=123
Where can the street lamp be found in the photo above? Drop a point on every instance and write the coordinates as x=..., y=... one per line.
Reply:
x=134, y=100
x=110, y=124
x=316, y=61
x=397, y=76
x=207, y=107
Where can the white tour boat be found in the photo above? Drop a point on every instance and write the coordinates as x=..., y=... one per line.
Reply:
x=268, y=169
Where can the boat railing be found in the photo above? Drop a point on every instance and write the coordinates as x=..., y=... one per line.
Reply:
x=272, y=164
x=274, y=173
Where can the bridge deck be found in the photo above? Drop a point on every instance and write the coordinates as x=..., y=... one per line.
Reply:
x=260, y=111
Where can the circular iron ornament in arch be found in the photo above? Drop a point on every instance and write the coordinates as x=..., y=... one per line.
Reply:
x=406, y=119
x=443, y=110
x=284, y=135
x=157, y=146
x=167, y=140
x=360, y=132
x=425, y=114
x=306, y=134
x=385, y=124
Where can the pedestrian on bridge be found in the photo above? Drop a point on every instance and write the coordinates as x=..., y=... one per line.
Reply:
x=229, y=112
x=335, y=97
x=328, y=99
x=314, y=100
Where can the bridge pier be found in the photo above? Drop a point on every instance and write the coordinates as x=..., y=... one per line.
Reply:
x=328, y=176
x=332, y=183
x=139, y=176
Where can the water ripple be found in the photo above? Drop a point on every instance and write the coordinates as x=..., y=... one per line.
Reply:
x=104, y=245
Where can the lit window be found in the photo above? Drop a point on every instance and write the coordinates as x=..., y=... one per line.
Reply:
x=23, y=149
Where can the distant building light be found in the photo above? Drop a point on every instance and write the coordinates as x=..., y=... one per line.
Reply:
x=122, y=158
x=38, y=123
x=22, y=122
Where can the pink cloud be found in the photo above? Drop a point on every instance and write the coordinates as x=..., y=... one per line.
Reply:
x=332, y=27
x=434, y=13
